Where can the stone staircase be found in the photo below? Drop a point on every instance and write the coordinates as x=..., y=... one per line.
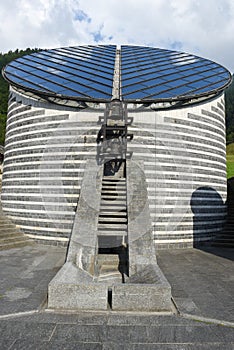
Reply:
x=108, y=268
x=226, y=237
x=111, y=262
x=10, y=234
x=112, y=228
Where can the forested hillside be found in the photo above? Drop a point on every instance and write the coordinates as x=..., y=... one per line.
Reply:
x=7, y=57
x=229, y=97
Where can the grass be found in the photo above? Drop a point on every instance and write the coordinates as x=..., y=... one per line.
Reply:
x=230, y=160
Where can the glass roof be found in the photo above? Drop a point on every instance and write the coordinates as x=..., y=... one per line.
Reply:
x=83, y=72
x=150, y=74
x=146, y=74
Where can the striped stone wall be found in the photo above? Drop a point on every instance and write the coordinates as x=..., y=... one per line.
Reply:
x=184, y=162
x=185, y=165
x=46, y=150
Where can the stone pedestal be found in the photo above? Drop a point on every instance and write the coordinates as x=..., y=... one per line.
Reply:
x=76, y=287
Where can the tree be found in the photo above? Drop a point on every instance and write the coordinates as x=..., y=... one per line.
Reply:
x=4, y=60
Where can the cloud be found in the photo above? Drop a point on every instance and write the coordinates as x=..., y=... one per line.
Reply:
x=200, y=27
x=81, y=16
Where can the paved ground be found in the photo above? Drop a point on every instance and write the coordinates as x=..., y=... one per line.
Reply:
x=202, y=281
x=202, y=286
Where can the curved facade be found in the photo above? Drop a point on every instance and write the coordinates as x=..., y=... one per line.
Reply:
x=184, y=157
x=182, y=147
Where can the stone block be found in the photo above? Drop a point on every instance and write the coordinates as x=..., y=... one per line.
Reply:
x=73, y=288
x=146, y=290
x=141, y=297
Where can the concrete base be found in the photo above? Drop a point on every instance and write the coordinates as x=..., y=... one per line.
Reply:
x=147, y=290
x=74, y=289
x=76, y=285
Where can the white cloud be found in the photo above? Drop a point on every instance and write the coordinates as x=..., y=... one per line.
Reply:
x=200, y=27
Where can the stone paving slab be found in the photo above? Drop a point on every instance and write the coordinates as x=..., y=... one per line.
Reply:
x=25, y=274
x=202, y=281
x=55, y=331
x=202, y=285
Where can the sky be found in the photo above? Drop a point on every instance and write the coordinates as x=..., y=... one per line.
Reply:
x=201, y=27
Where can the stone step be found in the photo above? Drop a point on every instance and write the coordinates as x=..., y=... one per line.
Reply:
x=14, y=238
x=223, y=244
x=3, y=218
x=10, y=235
x=111, y=192
x=111, y=226
x=113, y=197
x=113, y=189
x=108, y=268
x=112, y=220
x=227, y=232
x=6, y=226
x=112, y=207
x=119, y=233
x=108, y=258
x=113, y=214
x=224, y=239
x=119, y=181
x=110, y=278
x=106, y=182
x=113, y=179
x=113, y=200
x=5, y=246
x=4, y=234
x=113, y=185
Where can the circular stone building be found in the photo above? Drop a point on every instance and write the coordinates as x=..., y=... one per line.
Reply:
x=171, y=115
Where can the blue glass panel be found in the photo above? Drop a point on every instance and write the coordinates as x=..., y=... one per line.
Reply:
x=198, y=84
x=101, y=87
x=175, y=83
x=75, y=86
x=71, y=93
x=203, y=90
x=15, y=64
x=136, y=95
x=31, y=86
x=129, y=75
x=17, y=80
x=224, y=75
x=164, y=95
x=180, y=90
x=34, y=79
x=12, y=70
x=156, y=89
x=216, y=85
x=190, y=78
x=130, y=81
x=48, y=66
x=97, y=94
x=153, y=82
x=212, y=79
x=133, y=88
x=50, y=86
x=147, y=73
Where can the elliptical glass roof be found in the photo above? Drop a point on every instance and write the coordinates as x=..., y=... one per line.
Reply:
x=146, y=74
